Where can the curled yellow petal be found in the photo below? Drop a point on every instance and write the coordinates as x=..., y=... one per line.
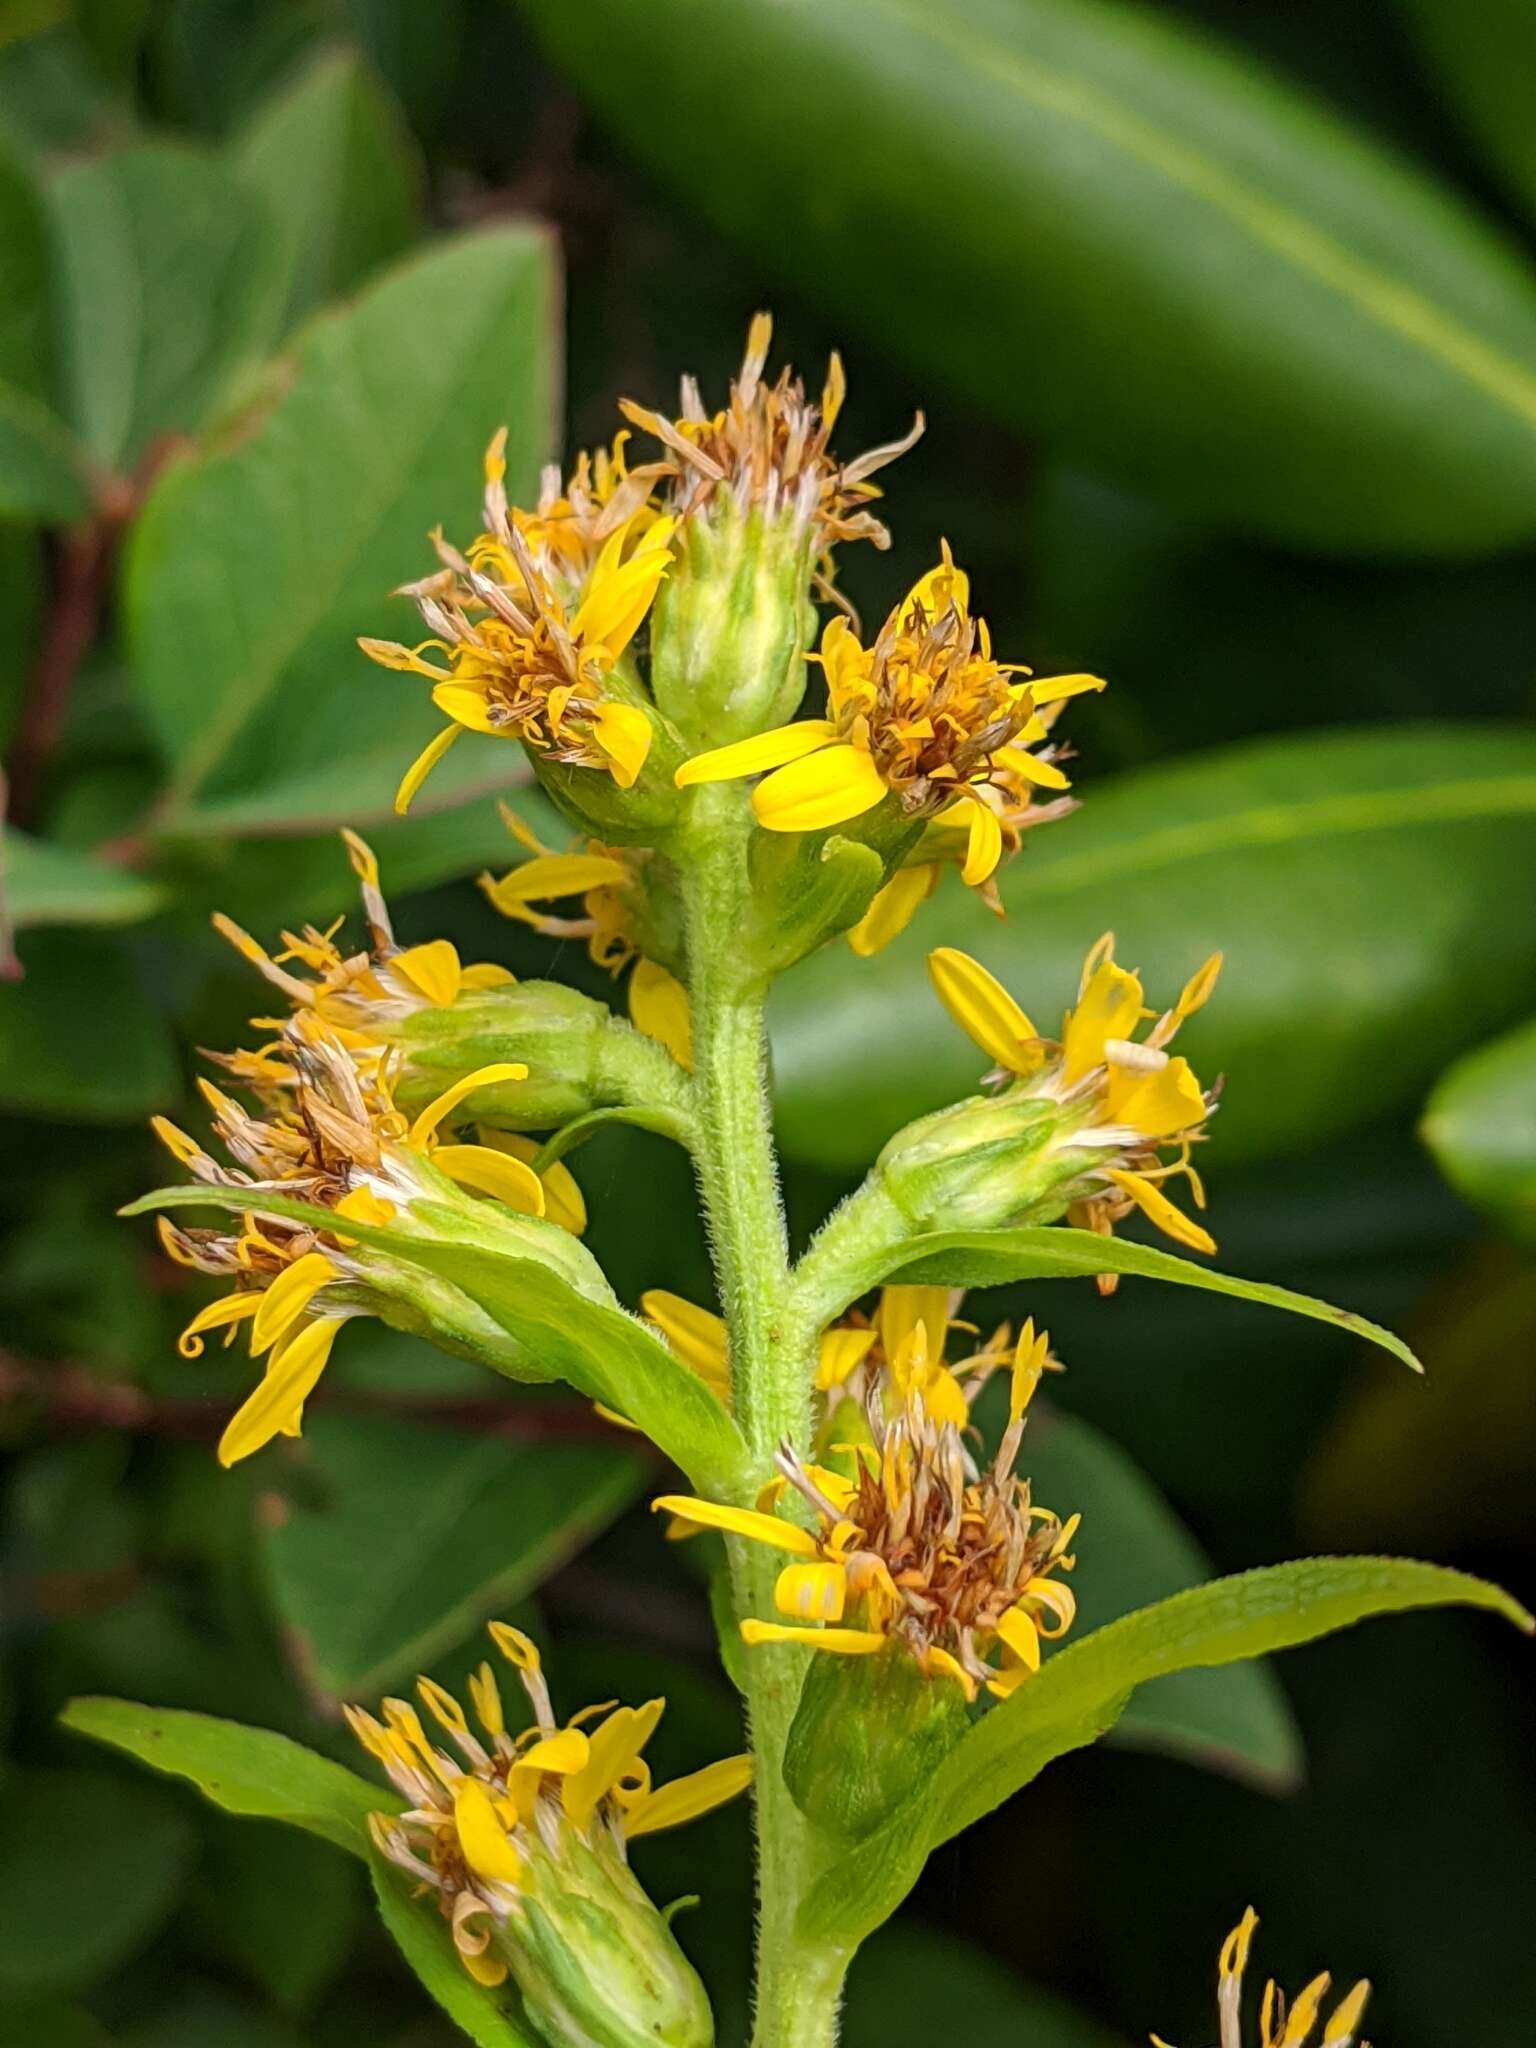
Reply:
x=490, y=1171
x=1109, y=1008
x=1165, y=1102
x=983, y=845
x=754, y=756
x=829, y=787
x=1234, y=1950
x=564, y=1202
x=984, y=1010
x=1157, y=1208
x=218, y=1315
x=685, y=1798
x=615, y=1747
x=285, y=1299
x=482, y=1077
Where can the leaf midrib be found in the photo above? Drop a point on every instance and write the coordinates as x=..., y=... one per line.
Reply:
x=1301, y=243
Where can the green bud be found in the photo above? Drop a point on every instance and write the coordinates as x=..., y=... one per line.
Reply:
x=868, y=1734
x=730, y=624
x=987, y=1161
x=579, y=1057
x=595, y=1961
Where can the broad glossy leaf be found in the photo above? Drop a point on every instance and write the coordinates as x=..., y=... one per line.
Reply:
x=1134, y=1550
x=995, y=1258
x=116, y=1850
x=249, y=1771
x=333, y=164
x=1346, y=875
x=79, y=1035
x=1480, y=1123
x=1482, y=55
x=604, y=1353
x=899, y=1978
x=1136, y=244
x=43, y=469
x=401, y=1536
x=1082, y=1690
x=168, y=286
x=422, y=1936
x=49, y=884
x=255, y=566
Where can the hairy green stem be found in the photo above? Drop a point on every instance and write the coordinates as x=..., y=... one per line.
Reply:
x=772, y=1373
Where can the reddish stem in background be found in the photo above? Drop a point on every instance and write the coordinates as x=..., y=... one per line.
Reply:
x=84, y=561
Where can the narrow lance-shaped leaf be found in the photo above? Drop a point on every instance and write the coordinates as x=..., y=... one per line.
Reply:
x=1081, y=1691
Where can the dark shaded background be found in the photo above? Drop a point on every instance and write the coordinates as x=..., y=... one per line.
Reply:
x=132, y=1565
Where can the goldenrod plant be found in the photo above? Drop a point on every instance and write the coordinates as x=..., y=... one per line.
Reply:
x=749, y=775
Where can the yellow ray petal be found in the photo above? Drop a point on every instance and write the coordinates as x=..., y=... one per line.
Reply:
x=1017, y=1630
x=564, y=1202
x=615, y=1746
x=697, y=1335
x=482, y=1077
x=841, y=1352
x=752, y=756
x=825, y=788
x=1163, y=1102
x=983, y=845
x=624, y=733
x=1030, y=768
x=658, y=1008
x=1157, y=1208
x=1109, y=1008
x=565, y=1752
x=465, y=706
x=423, y=765
x=812, y=1592
x=550, y=875
x=685, y=1798
x=1053, y=689
x=490, y=1171
x=483, y=1839
x=433, y=969
x=218, y=1315
x=277, y=1405
x=285, y=1299
x=757, y=1528
x=905, y=1309
x=842, y=1642
x=1345, y=2023
x=893, y=908
x=984, y=1010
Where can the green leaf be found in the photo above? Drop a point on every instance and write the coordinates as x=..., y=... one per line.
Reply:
x=995, y=1258
x=333, y=163
x=1483, y=56
x=249, y=1771
x=49, y=884
x=1134, y=1550
x=1082, y=1690
x=1346, y=875
x=602, y=1352
x=43, y=471
x=414, y=1534
x=254, y=567
x=116, y=1851
x=422, y=1936
x=79, y=1037
x=1480, y=1123
x=1329, y=346
x=896, y=1980
x=206, y=2016
x=168, y=287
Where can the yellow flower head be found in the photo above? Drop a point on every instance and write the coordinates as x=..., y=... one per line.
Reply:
x=1281, y=2024
x=484, y=1814
x=528, y=628
x=607, y=879
x=924, y=715
x=1136, y=1103
x=360, y=998
x=768, y=446
x=328, y=1135
x=921, y=1548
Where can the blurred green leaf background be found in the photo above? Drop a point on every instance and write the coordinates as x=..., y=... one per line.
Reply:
x=1224, y=321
